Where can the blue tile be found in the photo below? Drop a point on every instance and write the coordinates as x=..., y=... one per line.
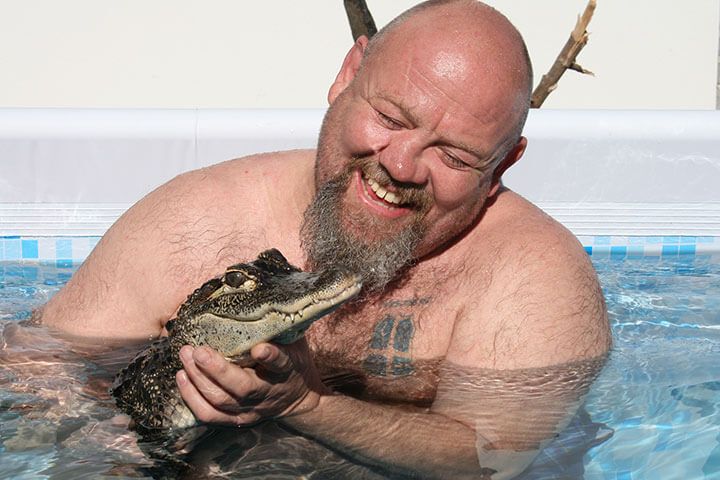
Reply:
x=653, y=240
x=63, y=248
x=686, y=250
x=705, y=239
x=688, y=240
x=63, y=263
x=588, y=250
x=669, y=250
x=618, y=252
x=603, y=250
x=30, y=249
x=13, y=250
x=671, y=240
x=602, y=240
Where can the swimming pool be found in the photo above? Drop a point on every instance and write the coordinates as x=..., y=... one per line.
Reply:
x=639, y=189
x=654, y=410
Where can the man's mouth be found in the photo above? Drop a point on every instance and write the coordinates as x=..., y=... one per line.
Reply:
x=379, y=199
x=381, y=193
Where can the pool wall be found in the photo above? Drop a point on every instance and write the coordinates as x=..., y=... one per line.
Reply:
x=627, y=183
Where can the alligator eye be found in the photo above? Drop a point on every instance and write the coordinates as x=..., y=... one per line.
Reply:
x=240, y=279
x=235, y=278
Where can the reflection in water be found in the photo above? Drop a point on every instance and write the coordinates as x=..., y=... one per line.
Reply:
x=57, y=419
x=516, y=413
x=55, y=406
x=658, y=394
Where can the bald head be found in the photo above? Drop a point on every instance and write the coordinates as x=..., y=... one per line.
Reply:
x=471, y=43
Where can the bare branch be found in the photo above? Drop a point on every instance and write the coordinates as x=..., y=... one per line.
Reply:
x=566, y=58
x=361, y=21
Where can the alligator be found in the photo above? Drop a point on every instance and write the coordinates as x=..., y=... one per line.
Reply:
x=266, y=299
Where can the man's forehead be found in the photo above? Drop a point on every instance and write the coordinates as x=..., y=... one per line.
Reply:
x=450, y=65
x=444, y=80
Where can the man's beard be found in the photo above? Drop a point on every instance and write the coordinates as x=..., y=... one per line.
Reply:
x=326, y=242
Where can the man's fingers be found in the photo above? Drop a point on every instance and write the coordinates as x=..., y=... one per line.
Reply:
x=204, y=411
x=225, y=385
x=207, y=370
x=274, y=365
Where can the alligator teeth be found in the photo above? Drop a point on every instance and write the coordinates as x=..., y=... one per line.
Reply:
x=389, y=197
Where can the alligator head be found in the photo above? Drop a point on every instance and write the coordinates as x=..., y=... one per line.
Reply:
x=267, y=299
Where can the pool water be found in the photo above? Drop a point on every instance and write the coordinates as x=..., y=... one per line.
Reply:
x=657, y=402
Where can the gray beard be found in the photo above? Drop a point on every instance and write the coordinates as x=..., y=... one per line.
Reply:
x=326, y=242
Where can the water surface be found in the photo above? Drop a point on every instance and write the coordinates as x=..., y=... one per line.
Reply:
x=654, y=412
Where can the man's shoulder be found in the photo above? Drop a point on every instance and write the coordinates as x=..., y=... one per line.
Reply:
x=278, y=164
x=514, y=226
x=240, y=181
x=540, y=294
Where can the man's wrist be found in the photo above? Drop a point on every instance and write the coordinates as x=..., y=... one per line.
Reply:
x=306, y=409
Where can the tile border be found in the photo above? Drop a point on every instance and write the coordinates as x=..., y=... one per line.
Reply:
x=66, y=250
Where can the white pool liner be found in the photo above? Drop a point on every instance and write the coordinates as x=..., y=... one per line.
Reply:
x=70, y=172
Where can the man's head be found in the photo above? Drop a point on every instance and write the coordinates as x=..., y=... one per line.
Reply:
x=423, y=121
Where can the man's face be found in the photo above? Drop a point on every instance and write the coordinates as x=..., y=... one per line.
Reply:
x=409, y=158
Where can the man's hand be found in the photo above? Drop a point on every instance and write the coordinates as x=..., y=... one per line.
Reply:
x=283, y=382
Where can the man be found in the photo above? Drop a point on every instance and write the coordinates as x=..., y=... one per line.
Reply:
x=482, y=323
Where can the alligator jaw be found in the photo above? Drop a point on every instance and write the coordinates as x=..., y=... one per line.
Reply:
x=232, y=336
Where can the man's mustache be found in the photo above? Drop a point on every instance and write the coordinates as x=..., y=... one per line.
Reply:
x=411, y=196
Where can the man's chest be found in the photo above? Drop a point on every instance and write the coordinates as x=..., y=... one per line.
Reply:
x=388, y=350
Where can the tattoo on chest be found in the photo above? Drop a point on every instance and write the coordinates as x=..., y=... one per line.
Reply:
x=389, y=348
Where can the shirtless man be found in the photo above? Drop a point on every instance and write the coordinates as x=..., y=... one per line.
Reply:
x=482, y=323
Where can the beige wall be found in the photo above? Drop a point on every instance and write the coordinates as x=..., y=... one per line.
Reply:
x=284, y=53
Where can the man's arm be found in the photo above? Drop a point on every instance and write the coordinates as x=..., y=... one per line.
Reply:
x=482, y=421
x=430, y=444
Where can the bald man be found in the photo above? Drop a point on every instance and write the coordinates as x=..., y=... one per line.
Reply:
x=482, y=323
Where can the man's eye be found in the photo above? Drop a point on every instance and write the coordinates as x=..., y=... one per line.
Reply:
x=390, y=122
x=454, y=162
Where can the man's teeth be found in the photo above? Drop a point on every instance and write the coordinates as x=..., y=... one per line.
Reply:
x=382, y=193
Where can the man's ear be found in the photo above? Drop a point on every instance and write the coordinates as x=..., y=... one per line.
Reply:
x=510, y=159
x=349, y=68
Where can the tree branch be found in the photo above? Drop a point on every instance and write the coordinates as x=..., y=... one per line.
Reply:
x=361, y=21
x=566, y=58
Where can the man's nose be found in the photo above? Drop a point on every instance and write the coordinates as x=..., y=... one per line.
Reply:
x=404, y=161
